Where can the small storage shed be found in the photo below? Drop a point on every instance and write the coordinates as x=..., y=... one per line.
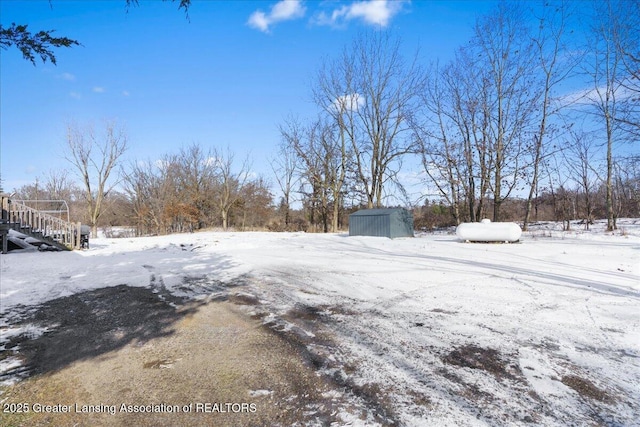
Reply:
x=396, y=222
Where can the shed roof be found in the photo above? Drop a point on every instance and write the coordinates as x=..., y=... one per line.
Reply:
x=375, y=212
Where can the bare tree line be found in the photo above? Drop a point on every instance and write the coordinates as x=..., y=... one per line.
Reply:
x=496, y=130
x=195, y=189
x=192, y=189
x=488, y=126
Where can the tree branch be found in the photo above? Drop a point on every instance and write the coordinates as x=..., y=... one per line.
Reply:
x=32, y=45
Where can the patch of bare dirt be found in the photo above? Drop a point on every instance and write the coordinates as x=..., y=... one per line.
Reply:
x=320, y=352
x=243, y=299
x=486, y=359
x=135, y=356
x=443, y=311
x=586, y=388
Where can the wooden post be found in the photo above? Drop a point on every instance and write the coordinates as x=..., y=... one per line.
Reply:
x=4, y=223
x=78, y=236
x=6, y=218
x=5, y=207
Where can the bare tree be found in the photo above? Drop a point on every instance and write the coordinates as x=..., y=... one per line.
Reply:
x=370, y=91
x=477, y=112
x=627, y=186
x=140, y=183
x=626, y=21
x=255, y=203
x=561, y=197
x=160, y=196
x=55, y=185
x=94, y=157
x=505, y=51
x=556, y=66
x=324, y=159
x=604, y=68
x=284, y=166
x=230, y=182
x=306, y=141
x=457, y=131
x=335, y=141
x=197, y=180
x=59, y=186
x=440, y=147
x=580, y=159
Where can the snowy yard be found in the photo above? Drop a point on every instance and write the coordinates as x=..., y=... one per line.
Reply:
x=414, y=331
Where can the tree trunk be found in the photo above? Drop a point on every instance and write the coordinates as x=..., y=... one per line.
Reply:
x=225, y=216
x=611, y=225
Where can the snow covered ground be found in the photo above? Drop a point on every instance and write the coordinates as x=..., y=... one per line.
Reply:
x=422, y=331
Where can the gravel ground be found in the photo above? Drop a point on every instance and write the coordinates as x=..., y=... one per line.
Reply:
x=139, y=356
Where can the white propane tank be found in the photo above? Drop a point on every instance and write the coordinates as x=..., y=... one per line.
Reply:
x=487, y=231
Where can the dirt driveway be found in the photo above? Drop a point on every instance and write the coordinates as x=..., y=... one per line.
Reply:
x=137, y=356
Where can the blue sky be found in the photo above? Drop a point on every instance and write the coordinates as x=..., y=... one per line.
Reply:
x=225, y=77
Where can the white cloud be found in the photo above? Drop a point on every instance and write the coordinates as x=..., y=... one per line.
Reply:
x=125, y=93
x=284, y=10
x=590, y=95
x=373, y=12
x=75, y=95
x=259, y=20
x=98, y=89
x=350, y=102
x=67, y=76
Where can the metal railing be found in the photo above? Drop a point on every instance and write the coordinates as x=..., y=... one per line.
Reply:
x=30, y=221
x=57, y=208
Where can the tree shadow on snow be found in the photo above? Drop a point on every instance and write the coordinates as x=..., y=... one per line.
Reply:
x=91, y=323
